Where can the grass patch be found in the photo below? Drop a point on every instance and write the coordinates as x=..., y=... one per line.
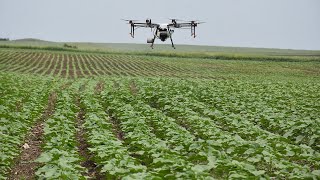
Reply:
x=196, y=55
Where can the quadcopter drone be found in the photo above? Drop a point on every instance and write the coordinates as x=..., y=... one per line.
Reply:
x=163, y=31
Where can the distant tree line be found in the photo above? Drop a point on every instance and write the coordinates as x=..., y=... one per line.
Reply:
x=69, y=46
x=4, y=39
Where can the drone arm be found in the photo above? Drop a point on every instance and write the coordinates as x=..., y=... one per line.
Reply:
x=146, y=25
x=139, y=25
x=192, y=26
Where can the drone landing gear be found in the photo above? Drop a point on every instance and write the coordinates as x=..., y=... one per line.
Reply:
x=154, y=38
x=152, y=43
x=171, y=40
x=193, y=30
x=151, y=40
x=132, y=31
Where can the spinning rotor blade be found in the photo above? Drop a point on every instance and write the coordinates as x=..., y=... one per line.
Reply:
x=195, y=22
x=175, y=19
x=129, y=20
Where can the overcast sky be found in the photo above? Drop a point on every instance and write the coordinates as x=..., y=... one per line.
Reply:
x=288, y=24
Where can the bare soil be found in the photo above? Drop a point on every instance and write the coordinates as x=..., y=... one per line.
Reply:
x=99, y=87
x=87, y=162
x=58, y=61
x=78, y=70
x=116, y=128
x=25, y=167
x=133, y=88
x=64, y=67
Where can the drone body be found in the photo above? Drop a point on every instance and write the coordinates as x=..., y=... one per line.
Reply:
x=163, y=31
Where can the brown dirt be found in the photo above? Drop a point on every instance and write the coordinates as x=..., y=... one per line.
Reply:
x=88, y=163
x=88, y=64
x=25, y=62
x=133, y=88
x=95, y=69
x=25, y=167
x=76, y=63
x=116, y=128
x=104, y=65
x=95, y=65
x=71, y=73
x=57, y=68
x=51, y=68
x=82, y=65
x=99, y=87
x=64, y=67
x=44, y=65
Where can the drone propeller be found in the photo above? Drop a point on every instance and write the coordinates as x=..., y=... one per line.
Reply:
x=174, y=21
x=130, y=21
x=195, y=22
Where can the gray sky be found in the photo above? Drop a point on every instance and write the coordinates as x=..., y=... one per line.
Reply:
x=288, y=24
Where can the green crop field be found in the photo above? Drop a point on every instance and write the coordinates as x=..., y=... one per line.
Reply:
x=91, y=113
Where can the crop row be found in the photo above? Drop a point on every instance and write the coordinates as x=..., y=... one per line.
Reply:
x=144, y=144
x=22, y=103
x=109, y=152
x=164, y=128
x=226, y=144
x=206, y=159
x=270, y=153
x=60, y=158
x=86, y=65
x=276, y=108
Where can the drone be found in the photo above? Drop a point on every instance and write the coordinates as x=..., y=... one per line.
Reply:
x=163, y=31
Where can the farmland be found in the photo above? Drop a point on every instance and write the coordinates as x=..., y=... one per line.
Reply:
x=141, y=115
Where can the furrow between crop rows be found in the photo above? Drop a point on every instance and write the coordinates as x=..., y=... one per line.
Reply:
x=176, y=107
x=25, y=166
x=60, y=158
x=20, y=108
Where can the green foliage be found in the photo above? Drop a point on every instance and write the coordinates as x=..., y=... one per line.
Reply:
x=245, y=121
x=70, y=46
x=50, y=48
x=79, y=64
x=111, y=154
x=225, y=115
x=22, y=101
x=313, y=57
x=60, y=159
